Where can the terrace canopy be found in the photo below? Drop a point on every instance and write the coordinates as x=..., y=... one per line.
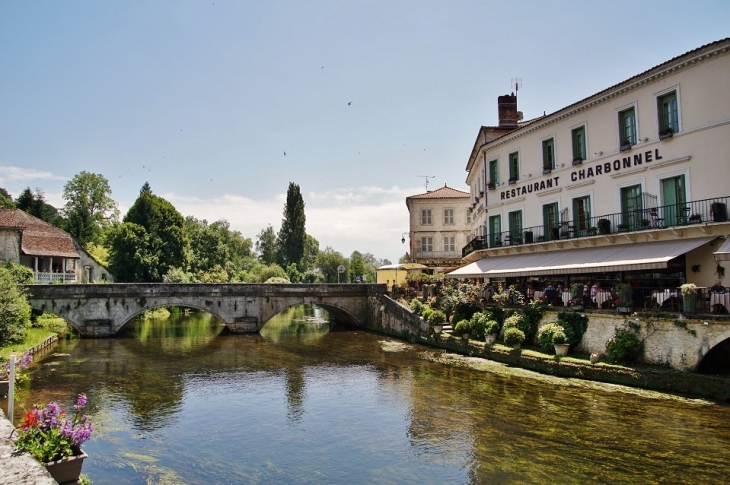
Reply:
x=624, y=257
x=723, y=254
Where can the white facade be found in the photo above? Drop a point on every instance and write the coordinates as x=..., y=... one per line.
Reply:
x=644, y=155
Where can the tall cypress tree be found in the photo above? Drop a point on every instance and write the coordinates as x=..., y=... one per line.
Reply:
x=292, y=235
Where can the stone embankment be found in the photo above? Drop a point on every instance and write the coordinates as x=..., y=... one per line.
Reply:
x=17, y=467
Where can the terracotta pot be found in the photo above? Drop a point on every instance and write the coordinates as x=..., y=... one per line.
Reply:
x=490, y=339
x=67, y=470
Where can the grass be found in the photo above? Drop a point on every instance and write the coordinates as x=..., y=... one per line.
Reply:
x=49, y=325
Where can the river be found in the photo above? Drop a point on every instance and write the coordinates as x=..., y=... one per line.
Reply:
x=179, y=401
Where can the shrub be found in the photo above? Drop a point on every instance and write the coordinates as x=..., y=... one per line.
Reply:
x=532, y=314
x=416, y=306
x=514, y=320
x=492, y=327
x=464, y=311
x=574, y=325
x=546, y=335
x=462, y=327
x=14, y=308
x=427, y=311
x=478, y=324
x=624, y=346
x=437, y=317
x=513, y=336
x=559, y=338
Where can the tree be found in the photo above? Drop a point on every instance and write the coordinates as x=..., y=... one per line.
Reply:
x=357, y=265
x=6, y=201
x=14, y=307
x=328, y=261
x=149, y=242
x=212, y=245
x=89, y=207
x=35, y=205
x=311, y=250
x=292, y=234
x=266, y=245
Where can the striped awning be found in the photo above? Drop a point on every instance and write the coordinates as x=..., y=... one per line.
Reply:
x=623, y=257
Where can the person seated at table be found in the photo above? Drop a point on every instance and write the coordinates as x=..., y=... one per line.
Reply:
x=717, y=287
x=594, y=290
x=550, y=293
x=530, y=291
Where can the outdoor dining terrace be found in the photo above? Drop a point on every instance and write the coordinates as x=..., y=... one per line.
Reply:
x=630, y=220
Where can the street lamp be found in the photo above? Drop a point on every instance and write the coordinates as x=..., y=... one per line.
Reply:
x=403, y=237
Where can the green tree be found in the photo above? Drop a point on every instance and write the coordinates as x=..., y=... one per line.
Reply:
x=149, y=242
x=328, y=261
x=311, y=250
x=266, y=245
x=14, y=307
x=6, y=200
x=215, y=244
x=89, y=207
x=35, y=205
x=357, y=265
x=292, y=235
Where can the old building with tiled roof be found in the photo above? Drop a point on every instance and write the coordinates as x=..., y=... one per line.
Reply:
x=439, y=224
x=50, y=252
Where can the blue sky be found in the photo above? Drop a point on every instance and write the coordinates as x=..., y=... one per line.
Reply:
x=202, y=98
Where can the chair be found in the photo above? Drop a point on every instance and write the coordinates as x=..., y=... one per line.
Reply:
x=683, y=215
x=656, y=221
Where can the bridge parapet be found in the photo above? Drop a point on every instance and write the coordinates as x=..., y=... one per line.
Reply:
x=102, y=310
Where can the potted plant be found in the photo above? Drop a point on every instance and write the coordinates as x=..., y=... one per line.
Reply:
x=491, y=186
x=622, y=227
x=625, y=145
x=719, y=211
x=689, y=296
x=55, y=440
x=604, y=226
x=491, y=331
x=695, y=218
x=513, y=337
x=645, y=223
x=577, y=161
x=560, y=342
x=462, y=328
x=546, y=334
x=623, y=291
x=436, y=320
x=592, y=231
x=666, y=133
x=624, y=306
x=576, y=296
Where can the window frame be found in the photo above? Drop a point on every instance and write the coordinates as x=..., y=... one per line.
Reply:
x=425, y=212
x=449, y=244
x=514, y=167
x=547, y=164
x=579, y=153
x=426, y=244
x=493, y=174
x=661, y=129
x=628, y=133
x=448, y=217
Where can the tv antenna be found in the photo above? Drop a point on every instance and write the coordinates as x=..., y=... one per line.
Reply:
x=516, y=84
x=426, y=177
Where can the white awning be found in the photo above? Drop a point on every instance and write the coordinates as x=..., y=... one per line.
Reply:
x=723, y=254
x=624, y=257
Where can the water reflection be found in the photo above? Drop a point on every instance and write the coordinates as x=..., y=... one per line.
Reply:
x=179, y=401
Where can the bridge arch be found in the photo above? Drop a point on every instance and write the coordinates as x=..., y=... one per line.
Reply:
x=195, y=305
x=716, y=355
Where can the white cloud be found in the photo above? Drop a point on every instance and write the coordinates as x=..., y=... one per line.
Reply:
x=367, y=219
x=17, y=179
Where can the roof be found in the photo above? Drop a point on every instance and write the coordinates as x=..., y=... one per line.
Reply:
x=623, y=257
x=38, y=238
x=444, y=192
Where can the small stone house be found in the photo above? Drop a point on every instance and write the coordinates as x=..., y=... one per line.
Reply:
x=50, y=252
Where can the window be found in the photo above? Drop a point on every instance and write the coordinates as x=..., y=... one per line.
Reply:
x=582, y=216
x=449, y=245
x=514, y=167
x=493, y=174
x=627, y=128
x=548, y=155
x=426, y=217
x=495, y=231
x=448, y=216
x=551, y=221
x=631, y=208
x=668, y=114
x=515, y=227
x=426, y=244
x=579, y=144
x=674, y=198
x=468, y=217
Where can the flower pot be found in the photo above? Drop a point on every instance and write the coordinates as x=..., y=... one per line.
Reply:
x=561, y=349
x=490, y=339
x=438, y=328
x=465, y=336
x=67, y=470
x=516, y=346
x=623, y=309
x=4, y=388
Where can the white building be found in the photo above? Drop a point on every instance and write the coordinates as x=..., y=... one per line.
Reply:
x=439, y=226
x=628, y=184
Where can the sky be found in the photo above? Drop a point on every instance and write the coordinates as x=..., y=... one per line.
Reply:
x=220, y=104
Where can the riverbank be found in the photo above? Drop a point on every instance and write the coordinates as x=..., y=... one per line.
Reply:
x=716, y=388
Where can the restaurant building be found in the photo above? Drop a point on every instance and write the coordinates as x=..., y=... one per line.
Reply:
x=627, y=185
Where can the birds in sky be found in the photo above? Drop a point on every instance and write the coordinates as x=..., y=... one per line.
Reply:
x=284, y=153
x=349, y=103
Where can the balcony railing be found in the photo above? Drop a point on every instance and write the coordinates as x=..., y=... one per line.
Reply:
x=41, y=277
x=672, y=215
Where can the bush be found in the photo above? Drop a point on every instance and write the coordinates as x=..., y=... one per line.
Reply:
x=492, y=327
x=624, y=346
x=574, y=325
x=437, y=317
x=427, y=311
x=464, y=311
x=14, y=308
x=514, y=320
x=532, y=314
x=478, y=324
x=513, y=336
x=559, y=338
x=416, y=306
x=546, y=335
x=462, y=327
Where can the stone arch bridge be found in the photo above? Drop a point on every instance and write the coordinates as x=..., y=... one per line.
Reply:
x=103, y=310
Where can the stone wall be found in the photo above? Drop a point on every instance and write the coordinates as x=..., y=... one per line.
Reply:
x=17, y=467
x=665, y=342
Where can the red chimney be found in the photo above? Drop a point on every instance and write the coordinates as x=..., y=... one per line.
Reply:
x=507, y=106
